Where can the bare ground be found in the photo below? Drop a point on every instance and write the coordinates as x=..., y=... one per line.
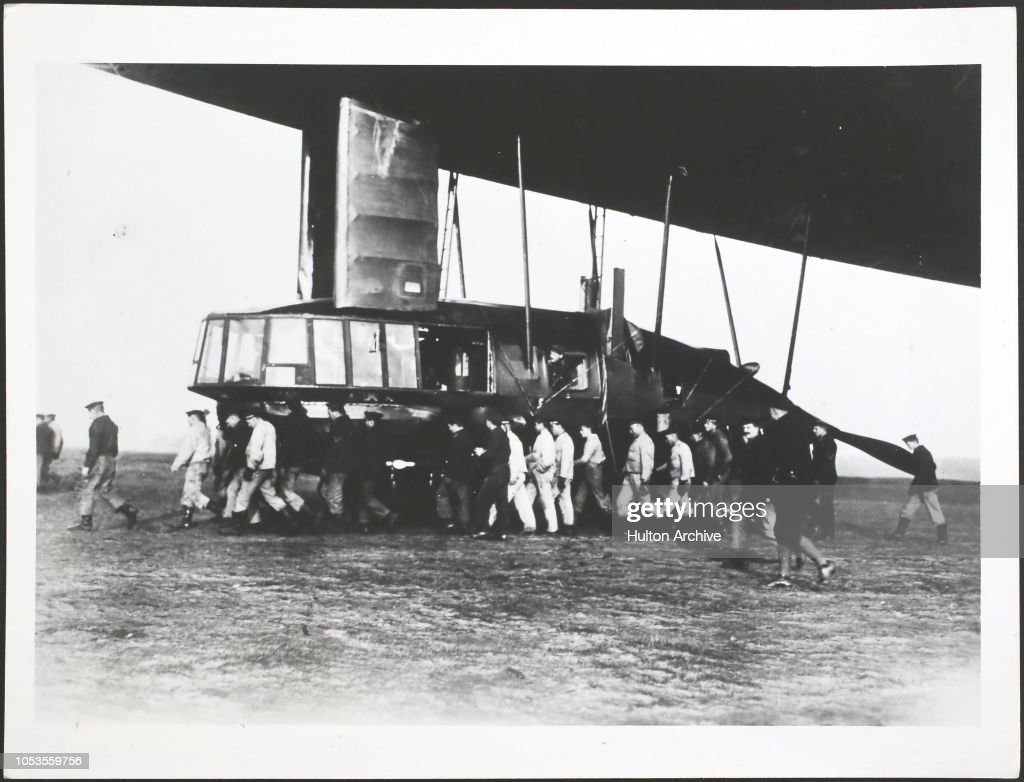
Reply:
x=149, y=625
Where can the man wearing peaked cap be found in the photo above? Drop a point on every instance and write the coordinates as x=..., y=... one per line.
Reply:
x=195, y=454
x=43, y=451
x=100, y=470
x=923, y=491
x=591, y=463
x=452, y=496
x=823, y=466
x=493, y=490
x=373, y=448
x=258, y=475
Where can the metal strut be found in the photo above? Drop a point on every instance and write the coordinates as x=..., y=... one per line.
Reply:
x=453, y=182
x=728, y=304
x=528, y=357
x=457, y=230
x=661, y=279
x=796, y=313
x=595, y=217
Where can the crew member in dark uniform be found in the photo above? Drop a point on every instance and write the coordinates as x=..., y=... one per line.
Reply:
x=752, y=471
x=823, y=467
x=922, y=492
x=703, y=457
x=229, y=462
x=453, y=494
x=297, y=442
x=44, y=451
x=100, y=469
x=372, y=455
x=494, y=489
x=717, y=444
x=791, y=457
x=339, y=463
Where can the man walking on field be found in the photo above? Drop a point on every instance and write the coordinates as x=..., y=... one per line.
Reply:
x=100, y=470
x=922, y=492
x=788, y=442
x=195, y=454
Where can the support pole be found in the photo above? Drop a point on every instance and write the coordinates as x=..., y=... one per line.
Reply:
x=457, y=230
x=796, y=313
x=445, y=273
x=661, y=280
x=528, y=357
x=615, y=346
x=592, y=300
x=304, y=279
x=600, y=256
x=728, y=304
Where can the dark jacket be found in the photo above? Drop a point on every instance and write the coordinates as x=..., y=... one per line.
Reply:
x=495, y=457
x=102, y=440
x=722, y=455
x=44, y=440
x=704, y=457
x=371, y=450
x=342, y=446
x=296, y=439
x=788, y=441
x=924, y=471
x=458, y=457
x=752, y=462
x=823, y=460
x=235, y=441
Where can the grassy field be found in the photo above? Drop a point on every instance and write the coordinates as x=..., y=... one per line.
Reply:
x=413, y=627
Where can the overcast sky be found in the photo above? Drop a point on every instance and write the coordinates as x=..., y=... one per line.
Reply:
x=154, y=210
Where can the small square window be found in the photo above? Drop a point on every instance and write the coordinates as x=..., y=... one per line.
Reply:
x=288, y=343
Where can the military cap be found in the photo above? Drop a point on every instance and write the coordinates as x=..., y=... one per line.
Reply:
x=910, y=437
x=91, y=405
x=200, y=414
x=338, y=407
x=373, y=415
x=518, y=420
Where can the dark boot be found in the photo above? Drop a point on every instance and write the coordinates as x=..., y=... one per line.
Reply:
x=941, y=534
x=83, y=525
x=291, y=523
x=237, y=524
x=130, y=512
x=311, y=522
x=901, y=530
x=186, y=517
